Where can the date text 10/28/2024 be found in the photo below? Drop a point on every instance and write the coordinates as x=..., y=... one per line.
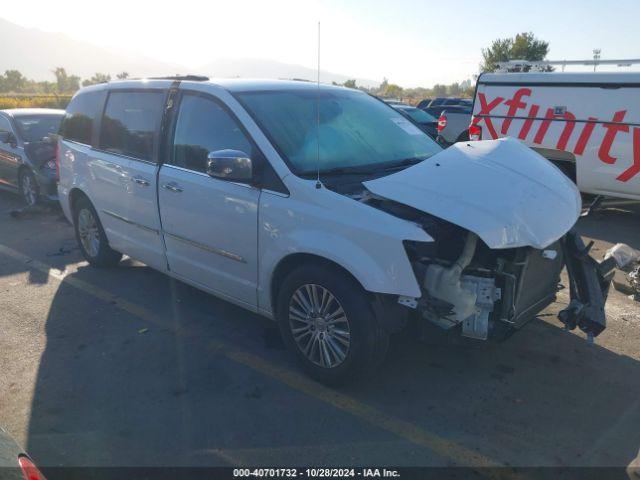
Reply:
x=315, y=473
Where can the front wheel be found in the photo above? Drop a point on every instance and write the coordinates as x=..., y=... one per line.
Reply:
x=91, y=237
x=29, y=187
x=326, y=319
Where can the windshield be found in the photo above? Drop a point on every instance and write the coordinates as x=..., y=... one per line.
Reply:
x=355, y=129
x=419, y=116
x=35, y=128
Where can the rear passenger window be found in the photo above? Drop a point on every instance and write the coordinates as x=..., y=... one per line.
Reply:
x=203, y=126
x=77, y=124
x=130, y=122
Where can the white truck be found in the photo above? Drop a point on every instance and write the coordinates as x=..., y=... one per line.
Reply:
x=588, y=124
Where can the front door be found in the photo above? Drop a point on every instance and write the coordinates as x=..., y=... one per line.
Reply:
x=209, y=224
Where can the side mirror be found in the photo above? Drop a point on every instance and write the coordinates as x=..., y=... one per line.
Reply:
x=232, y=165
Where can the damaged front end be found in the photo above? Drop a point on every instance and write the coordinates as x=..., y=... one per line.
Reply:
x=501, y=217
x=487, y=291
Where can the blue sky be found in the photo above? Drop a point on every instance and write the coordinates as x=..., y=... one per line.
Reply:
x=410, y=42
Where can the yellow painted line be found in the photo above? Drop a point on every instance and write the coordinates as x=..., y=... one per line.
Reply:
x=403, y=429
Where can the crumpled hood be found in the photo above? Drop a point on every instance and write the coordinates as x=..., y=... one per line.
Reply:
x=501, y=190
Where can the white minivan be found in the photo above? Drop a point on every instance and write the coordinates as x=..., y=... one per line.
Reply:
x=588, y=124
x=323, y=208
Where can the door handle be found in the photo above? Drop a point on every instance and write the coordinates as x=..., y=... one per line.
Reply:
x=141, y=181
x=173, y=187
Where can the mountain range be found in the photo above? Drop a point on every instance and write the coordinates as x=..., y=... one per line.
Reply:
x=36, y=53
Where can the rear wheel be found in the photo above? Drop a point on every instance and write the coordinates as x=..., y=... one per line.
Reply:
x=326, y=319
x=91, y=237
x=29, y=187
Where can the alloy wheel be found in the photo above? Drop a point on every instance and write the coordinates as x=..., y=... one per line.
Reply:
x=88, y=232
x=319, y=325
x=29, y=190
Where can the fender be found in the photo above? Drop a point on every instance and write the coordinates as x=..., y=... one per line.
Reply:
x=368, y=243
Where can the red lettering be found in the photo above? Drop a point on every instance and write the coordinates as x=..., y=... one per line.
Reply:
x=544, y=126
x=609, y=137
x=528, y=123
x=634, y=169
x=570, y=123
x=485, y=109
x=514, y=105
x=585, y=136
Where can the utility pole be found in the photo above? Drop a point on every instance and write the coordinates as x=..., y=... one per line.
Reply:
x=596, y=57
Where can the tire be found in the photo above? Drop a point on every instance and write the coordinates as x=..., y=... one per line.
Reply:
x=29, y=188
x=91, y=237
x=362, y=350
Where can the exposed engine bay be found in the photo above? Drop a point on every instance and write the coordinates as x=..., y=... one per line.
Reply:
x=481, y=291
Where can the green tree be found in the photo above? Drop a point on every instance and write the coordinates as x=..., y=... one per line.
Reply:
x=13, y=81
x=97, y=78
x=122, y=75
x=454, y=90
x=439, y=90
x=524, y=46
x=350, y=84
x=392, y=91
x=66, y=83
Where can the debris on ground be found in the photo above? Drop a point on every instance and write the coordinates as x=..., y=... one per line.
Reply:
x=628, y=261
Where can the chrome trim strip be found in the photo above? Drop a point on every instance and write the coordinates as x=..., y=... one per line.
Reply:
x=122, y=155
x=202, y=174
x=217, y=251
x=130, y=222
x=182, y=169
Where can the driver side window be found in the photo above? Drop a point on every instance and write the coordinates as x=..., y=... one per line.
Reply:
x=5, y=125
x=203, y=126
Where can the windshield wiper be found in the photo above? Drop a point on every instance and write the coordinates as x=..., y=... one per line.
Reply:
x=342, y=171
x=366, y=169
x=407, y=162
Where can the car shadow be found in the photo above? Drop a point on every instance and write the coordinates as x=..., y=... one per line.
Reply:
x=43, y=229
x=121, y=388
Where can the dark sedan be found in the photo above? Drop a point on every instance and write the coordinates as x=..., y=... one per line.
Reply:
x=27, y=152
x=426, y=122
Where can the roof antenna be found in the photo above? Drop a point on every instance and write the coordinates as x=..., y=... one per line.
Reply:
x=318, y=184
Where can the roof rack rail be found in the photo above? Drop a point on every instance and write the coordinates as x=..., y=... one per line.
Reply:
x=543, y=65
x=192, y=78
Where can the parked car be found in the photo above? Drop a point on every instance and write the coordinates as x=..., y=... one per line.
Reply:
x=15, y=464
x=324, y=209
x=446, y=101
x=585, y=123
x=27, y=152
x=453, y=125
x=424, y=103
x=394, y=102
x=426, y=122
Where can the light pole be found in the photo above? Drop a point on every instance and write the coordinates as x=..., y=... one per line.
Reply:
x=596, y=57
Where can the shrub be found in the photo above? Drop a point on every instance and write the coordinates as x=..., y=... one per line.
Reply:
x=34, y=101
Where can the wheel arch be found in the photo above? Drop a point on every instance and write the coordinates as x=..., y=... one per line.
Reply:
x=292, y=261
x=74, y=195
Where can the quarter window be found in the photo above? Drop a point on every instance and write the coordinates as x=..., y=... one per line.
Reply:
x=130, y=122
x=203, y=126
x=77, y=124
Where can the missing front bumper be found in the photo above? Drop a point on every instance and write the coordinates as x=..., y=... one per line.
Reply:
x=483, y=298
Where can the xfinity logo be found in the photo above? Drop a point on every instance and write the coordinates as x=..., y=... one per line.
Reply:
x=518, y=107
